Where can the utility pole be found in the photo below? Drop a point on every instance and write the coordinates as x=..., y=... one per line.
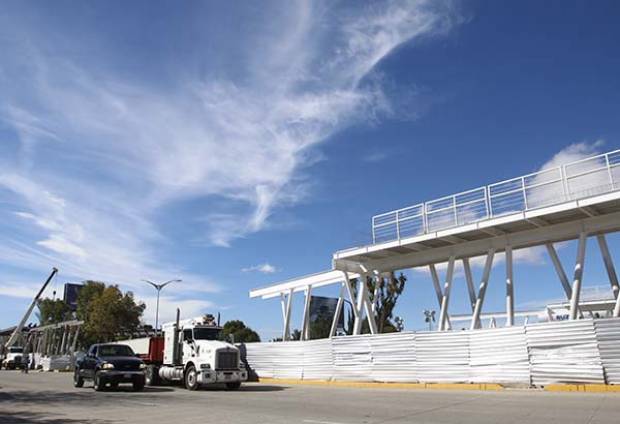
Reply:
x=159, y=287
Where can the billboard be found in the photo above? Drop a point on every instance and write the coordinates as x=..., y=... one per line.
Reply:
x=71, y=293
x=324, y=308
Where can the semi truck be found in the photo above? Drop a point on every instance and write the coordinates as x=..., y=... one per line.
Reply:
x=190, y=352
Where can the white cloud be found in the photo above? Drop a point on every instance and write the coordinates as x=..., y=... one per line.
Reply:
x=265, y=268
x=102, y=155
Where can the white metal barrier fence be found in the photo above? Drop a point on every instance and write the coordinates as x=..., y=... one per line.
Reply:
x=584, y=351
x=576, y=180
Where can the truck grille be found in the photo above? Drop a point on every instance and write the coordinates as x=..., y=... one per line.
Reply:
x=227, y=360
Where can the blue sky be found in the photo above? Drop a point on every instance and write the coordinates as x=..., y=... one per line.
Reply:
x=235, y=144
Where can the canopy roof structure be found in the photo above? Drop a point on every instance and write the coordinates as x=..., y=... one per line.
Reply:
x=574, y=201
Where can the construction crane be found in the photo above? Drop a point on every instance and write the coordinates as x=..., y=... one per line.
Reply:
x=21, y=324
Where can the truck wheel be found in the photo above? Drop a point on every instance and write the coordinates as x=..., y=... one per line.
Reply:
x=78, y=381
x=191, y=378
x=233, y=386
x=98, y=383
x=152, y=375
x=138, y=385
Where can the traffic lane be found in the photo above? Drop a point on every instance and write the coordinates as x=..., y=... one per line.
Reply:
x=49, y=398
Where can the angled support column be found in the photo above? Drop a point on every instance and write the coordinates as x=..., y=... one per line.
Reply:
x=577, y=276
x=510, y=289
x=359, y=305
x=349, y=290
x=470, y=283
x=438, y=290
x=286, y=315
x=609, y=265
x=305, y=325
x=375, y=297
x=445, y=301
x=75, y=339
x=484, y=282
x=559, y=269
x=616, y=313
x=332, y=331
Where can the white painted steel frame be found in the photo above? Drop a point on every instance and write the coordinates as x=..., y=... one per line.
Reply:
x=523, y=184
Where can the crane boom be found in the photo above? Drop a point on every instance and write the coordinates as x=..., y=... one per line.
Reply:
x=21, y=324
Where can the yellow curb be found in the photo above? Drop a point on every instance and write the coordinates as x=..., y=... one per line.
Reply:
x=591, y=388
x=378, y=385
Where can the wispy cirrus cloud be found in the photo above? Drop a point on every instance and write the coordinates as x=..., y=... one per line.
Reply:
x=103, y=152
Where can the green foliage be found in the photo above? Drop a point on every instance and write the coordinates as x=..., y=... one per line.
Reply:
x=108, y=313
x=390, y=290
x=240, y=332
x=52, y=311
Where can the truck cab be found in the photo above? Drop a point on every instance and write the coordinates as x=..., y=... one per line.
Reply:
x=194, y=354
x=13, y=358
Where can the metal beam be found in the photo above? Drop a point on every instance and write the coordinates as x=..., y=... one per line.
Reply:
x=484, y=282
x=510, y=293
x=578, y=275
x=470, y=283
x=305, y=325
x=359, y=305
x=518, y=240
x=559, y=269
x=609, y=265
x=438, y=291
x=334, y=327
x=286, y=332
x=445, y=301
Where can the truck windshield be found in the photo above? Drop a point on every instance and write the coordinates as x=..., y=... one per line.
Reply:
x=115, y=350
x=206, y=333
x=16, y=350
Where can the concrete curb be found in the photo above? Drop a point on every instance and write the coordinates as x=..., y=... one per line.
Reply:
x=589, y=388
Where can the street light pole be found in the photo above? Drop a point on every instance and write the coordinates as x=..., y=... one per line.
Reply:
x=158, y=287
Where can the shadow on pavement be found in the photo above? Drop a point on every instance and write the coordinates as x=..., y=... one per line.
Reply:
x=24, y=417
x=247, y=388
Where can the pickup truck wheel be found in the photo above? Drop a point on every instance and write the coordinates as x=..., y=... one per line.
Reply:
x=233, y=386
x=98, y=384
x=78, y=381
x=191, y=378
x=152, y=375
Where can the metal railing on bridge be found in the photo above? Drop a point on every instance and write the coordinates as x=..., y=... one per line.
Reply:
x=576, y=180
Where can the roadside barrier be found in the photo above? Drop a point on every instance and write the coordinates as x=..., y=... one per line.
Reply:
x=566, y=352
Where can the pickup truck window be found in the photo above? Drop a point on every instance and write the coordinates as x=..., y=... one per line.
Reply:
x=115, y=350
x=16, y=350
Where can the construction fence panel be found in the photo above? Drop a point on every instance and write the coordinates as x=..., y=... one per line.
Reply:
x=393, y=357
x=608, y=337
x=442, y=357
x=352, y=358
x=499, y=355
x=564, y=352
x=318, y=363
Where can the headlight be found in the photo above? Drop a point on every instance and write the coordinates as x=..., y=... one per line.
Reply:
x=142, y=366
x=107, y=366
x=205, y=366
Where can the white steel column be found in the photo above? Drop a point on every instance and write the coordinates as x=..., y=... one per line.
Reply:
x=305, y=325
x=609, y=264
x=359, y=304
x=286, y=311
x=445, y=301
x=559, y=269
x=616, y=313
x=438, y=291
x=332, y=331
x=484, y=282
x=578, y=275
x=510, y=290
x=349, y=290
x=470, y=283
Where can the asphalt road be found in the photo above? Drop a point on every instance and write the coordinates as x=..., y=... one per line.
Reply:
x=50, y=398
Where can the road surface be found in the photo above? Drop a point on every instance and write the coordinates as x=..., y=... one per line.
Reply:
x=50, y=398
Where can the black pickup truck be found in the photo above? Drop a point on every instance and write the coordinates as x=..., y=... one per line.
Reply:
x=109, y=364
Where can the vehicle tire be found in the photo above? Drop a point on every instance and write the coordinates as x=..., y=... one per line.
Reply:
x=98, y=382
x=152, y=375
x=78, y=381
x=233, y=386
x=138, y=385
x=191, y=378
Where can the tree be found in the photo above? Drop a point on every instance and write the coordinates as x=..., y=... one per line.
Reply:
x=390, y=289
x=108, y=313
x=52, y=311
x=240, y=332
